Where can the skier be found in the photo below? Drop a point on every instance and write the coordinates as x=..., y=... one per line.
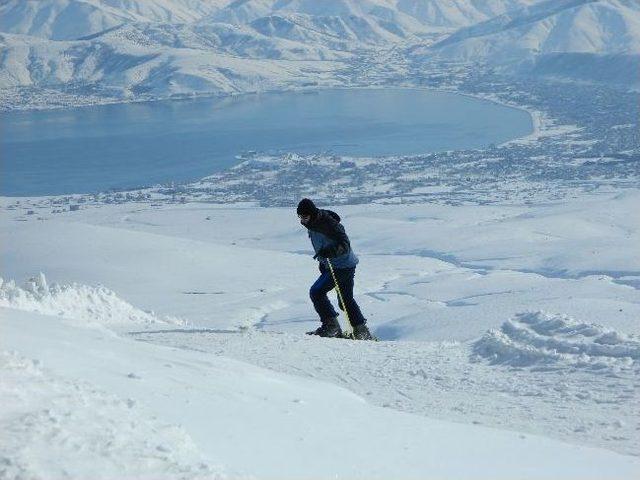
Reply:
x=331, y=244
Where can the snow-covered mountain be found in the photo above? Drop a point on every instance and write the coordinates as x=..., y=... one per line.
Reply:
x=586, y=26
x=457, y=13
x=126, y=48
x=362, y=20
x=72, y=19
x=401, y=13
x=122, y=69
x=552, y=27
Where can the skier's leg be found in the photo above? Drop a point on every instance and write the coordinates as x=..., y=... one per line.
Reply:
x=345, y=278
x=318, y=294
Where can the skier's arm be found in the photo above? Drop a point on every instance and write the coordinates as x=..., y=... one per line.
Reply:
x=335, y=231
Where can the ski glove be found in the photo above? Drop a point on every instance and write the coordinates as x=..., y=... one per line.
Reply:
x=324, y=253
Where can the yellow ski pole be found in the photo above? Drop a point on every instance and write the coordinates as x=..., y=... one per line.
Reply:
x=348, y=332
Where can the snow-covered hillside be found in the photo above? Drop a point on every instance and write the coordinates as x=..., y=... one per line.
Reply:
x=124, y=65
x=457, y=13
x=235, y=388
x=581, y=26
x=137, y=410
x=598, y=30
x=73, y=19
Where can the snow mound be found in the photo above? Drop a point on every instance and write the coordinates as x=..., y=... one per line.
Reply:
x=83, y=303
x=558, y=341
x=56, y=427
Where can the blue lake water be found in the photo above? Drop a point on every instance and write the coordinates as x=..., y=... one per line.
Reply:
x=92, y=149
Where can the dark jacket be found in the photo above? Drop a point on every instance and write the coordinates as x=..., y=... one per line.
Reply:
x=330, y=240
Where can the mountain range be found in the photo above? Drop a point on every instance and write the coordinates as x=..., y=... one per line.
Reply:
x=125, y=48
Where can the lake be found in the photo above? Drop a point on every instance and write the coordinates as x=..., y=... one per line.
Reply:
x=92, y=149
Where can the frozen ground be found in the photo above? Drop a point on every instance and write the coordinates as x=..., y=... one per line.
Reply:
x=521, y=317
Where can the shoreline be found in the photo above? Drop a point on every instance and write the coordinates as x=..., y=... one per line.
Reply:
x=316, y=90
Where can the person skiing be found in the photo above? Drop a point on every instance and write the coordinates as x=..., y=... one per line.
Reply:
x=331, y=244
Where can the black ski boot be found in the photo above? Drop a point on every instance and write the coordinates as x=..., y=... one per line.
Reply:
x=329, y=328
x=361, y=332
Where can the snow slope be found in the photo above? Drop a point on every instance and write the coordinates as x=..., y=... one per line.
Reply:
x=474, y=267
x=447, y=287
x=59, y=427
x=250, y=420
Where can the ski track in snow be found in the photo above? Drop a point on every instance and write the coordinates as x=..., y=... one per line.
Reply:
x=446, y=380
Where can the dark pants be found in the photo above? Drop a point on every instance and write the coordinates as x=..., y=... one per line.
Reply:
x=324, y=284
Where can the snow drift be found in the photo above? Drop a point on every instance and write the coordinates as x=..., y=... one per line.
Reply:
x=83, y=303
x=558, y=341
